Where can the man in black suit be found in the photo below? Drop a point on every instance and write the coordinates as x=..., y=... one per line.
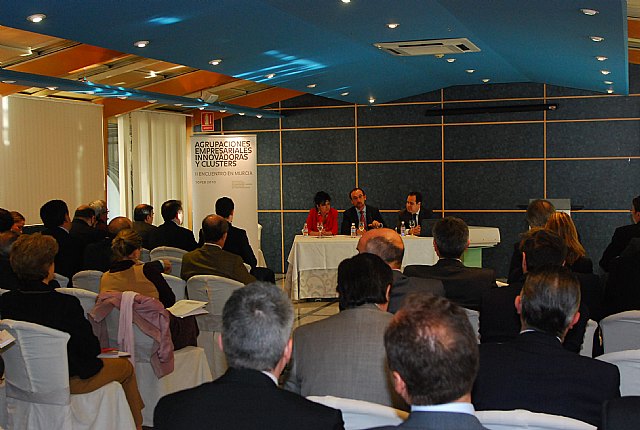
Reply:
x=413, y=212
x=143, y=222
x=82, y=226
x=621, y=237
x=388, y=245
x=360, y=212
x=257, y=322
x=99, y=256
x=433, y=356
x=170, y=233
x=55, y=217
x=462, y=285
x=533, y=371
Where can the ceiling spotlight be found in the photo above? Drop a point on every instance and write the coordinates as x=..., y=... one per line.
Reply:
x=346, y=93
x=141, y=43
x=601, y=58
x=178, y=104
x=608, y=82
x=393, y=25
x=215, y=62
x=346, y=1
x=311, y=85
x=450, y=60
x=589, y=12
x=152, y=101
x=596, y=38
x=27, y=52
x=52, y=88
x=605, y=72
x=36, y=17
x=241, y=113
x=8, y=82
x=372, y=100
x=152, y=74
x=222, y=110
x=122, y=97
x=201, y=108
x=270, y=76
x=470, y=70
x=258, y=116
x=485, y=80
x=609, y=91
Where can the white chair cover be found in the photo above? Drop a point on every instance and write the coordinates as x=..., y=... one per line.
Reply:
x=522, y=419
x=145, y=255
x=358, y=414
x=176, y=264
x=190, y=368
x=260, y=259
x=37, y=378
x=178, y=286
x=587, y=342
x=474, y=319
x=87, y=280
x=621, y=331
x=166, y=251
x=628, y=363
x=62, y=280
x=215, y=290
x=3, y=405
x=87, y=298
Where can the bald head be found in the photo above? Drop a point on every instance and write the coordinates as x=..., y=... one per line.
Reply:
x=118, y=224
x=214, y=229
x=385, y=243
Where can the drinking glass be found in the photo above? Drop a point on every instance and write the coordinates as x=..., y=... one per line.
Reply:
x=361, y=227
x=320, y=228
x=412, y=224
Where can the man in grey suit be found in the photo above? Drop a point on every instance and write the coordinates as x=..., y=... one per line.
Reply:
x=433, y=356
x=388, y=245
x=343, y=355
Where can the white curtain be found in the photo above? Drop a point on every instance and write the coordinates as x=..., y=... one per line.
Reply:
x=152, y=151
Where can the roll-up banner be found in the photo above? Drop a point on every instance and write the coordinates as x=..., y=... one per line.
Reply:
x=225, y=166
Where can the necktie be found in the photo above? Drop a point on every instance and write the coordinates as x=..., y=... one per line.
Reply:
x=362, y=220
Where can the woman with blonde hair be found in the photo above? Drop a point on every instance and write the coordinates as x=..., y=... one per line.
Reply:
x=577, y=260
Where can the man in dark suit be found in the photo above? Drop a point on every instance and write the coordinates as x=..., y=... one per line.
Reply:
x=55, y=217
x=211, y=259
x=360, y=212
x=533, y=371
x=170, y=233
x=462, y=285
x=433, y=355
x=143, y=222
x=621, y=237
x=82, y=226
x=414, y=212
x=6, y=220
x=388, y=245
x=257, y=322
x=99, y=256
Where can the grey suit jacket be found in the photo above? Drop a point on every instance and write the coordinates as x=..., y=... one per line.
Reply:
x=212, y=260
x=403, y=285
x=439, y=421
x=344, y=356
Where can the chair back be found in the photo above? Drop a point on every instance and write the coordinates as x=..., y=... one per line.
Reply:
x=621, y=414
x=145, y=255
x=587, y=341
x=178, y=286
x=87, y=280
x=166, y=251
x=359, y=414
x=474, y=319
x=87, y=298
x=215, y=290
x=62, y=280
x=621, y=331
x=628, y=363
x=176, y=264
x=522, y=419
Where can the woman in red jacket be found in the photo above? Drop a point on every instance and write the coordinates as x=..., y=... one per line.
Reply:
x=322, y=213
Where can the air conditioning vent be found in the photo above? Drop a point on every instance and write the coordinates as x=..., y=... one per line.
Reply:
x=428, y=47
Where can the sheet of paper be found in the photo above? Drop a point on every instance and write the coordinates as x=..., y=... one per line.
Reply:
x=185, y=308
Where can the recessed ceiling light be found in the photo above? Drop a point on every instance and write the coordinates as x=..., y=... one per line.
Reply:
x=393, y=25
x=346, y=93
x=215, y=62
x=596, y=38
x=450, y=60
x=589, y=12
x=152, y=74
x=27, y=52
x=270, y=76
x=609, y=91
x=605, y=72
x=152, y=101
x=372, y=100
x=120, y=83
x=485, y=80
x=222, y=110
x=470, y=70
x=201, y=108
x=241, y=113
x=8, y=82
x=258, y=116
x=122, y=97
x=141, y=43
x=178, y=104
x=36, y=17
x=52, y=88
x=311, y=85
x=608, y=82
x=346, y=1
x=601, y=58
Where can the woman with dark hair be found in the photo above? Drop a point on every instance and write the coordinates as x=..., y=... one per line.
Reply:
x=322, y=215
x=577, y=260
x=18, y=221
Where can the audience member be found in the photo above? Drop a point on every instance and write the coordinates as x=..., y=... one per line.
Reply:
x=127, y=273
x=170, y=233
x=8, y=279
x=82, y=227
x=100, y=209
x=533, y=371
x=37, y=301
x=18, y=221
x=55, y=217
x=257, y=322
x=538, y=212
x=211, y=259
x=577, y=260
x=6, y=220
x=143, y=222
x=462, y=285
x=499, y=321
x=343, y=355
x=433, y=356
x=413, y=211
x=99, y=256
x=322, y=213
x=622, y=292
x=368, y=215
x=622, y=236
x=388, y=245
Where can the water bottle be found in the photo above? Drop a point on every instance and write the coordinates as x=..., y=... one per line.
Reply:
x=353, y=229
x=305, y=230
x=403, y=230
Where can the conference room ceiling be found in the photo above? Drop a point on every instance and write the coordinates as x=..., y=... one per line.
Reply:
x=274, y=49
